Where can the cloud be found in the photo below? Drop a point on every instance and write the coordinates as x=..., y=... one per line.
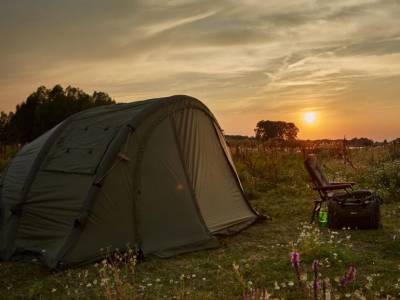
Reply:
x=252, y=58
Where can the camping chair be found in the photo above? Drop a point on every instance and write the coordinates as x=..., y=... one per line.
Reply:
x=337, y=191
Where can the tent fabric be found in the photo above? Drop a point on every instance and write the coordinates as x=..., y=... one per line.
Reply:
x=219, y=196
x=154, y=174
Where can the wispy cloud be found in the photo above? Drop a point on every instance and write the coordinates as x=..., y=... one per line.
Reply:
x=246, y=59
x=167, y=25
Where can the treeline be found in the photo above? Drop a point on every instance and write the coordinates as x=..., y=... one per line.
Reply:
x=354, y=142
x=285, y=134
x=44, y=109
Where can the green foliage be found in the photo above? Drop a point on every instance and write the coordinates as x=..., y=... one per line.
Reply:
x=44, y=109
x=266, y=130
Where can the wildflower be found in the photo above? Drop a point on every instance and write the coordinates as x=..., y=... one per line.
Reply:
x=315, y=266
x=349, y=276
x=276, y=286
x=295, y=260
x=256, y=293
x=316, y=285
x=54, y=290
x=290, y=283
x=326, y=289
x=246, y=296
x=303, y=277
x=235, y=266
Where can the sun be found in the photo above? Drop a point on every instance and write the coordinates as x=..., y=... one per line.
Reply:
x=310, y=117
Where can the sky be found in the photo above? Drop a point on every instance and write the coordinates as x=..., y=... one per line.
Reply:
x=247, y=60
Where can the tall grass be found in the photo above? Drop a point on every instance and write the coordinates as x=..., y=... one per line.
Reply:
x=262, y=168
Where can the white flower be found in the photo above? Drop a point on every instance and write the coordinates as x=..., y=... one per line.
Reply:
x=54, y=290
x=276, y=286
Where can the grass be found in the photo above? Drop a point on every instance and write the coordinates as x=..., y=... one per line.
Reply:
x=277, y=185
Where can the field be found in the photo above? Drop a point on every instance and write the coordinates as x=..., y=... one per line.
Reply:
x=259, y=257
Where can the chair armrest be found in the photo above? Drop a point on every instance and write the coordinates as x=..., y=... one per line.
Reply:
x=336, y=183
x=333, y=187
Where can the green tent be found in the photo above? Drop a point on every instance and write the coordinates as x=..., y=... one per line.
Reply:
x=154, y=174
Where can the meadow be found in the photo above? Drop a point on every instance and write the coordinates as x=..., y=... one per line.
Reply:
x=255, y=264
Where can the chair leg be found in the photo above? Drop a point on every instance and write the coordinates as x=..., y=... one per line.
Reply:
x=317, y=207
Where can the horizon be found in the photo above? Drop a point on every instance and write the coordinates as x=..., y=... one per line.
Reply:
x=246, y=61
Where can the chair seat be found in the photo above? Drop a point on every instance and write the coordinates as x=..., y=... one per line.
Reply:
x=357, y=194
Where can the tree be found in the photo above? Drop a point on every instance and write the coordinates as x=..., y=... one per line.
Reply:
x=361, y=142
x=266, y=130
x=45, y=108
x=4, y=120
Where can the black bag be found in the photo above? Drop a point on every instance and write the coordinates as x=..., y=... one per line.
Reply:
x=359, y=210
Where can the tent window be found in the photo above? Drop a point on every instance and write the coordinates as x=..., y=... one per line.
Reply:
x=80, y=149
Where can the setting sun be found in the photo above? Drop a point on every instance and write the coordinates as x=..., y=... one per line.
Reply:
x=310, y=117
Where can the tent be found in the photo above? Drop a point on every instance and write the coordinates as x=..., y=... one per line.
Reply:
x=155, y=174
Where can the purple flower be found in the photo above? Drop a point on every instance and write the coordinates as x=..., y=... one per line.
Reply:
x=255, y=293
x=246, y=296
x=349, y=276
x=315, y=265
x=295, y=259
x=316, y=285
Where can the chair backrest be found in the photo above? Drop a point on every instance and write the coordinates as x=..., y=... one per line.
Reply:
x=314, y=169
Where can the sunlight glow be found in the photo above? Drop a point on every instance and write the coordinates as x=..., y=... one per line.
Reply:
x=310, y=117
